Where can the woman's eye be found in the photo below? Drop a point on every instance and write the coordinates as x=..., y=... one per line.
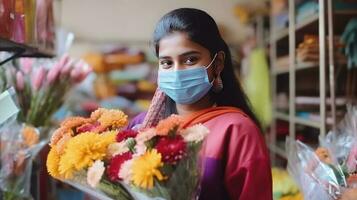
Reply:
x=165, y=64
x=191, y=60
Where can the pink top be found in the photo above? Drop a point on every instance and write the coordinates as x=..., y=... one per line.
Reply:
x=236, y=160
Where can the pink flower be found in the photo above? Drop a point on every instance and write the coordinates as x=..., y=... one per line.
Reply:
x=20, y=82
x=140, y=149
x=53, y=73
x=64, y=60
x=66, y=69
x=125, y=172
x=80, y=71
x=352, y=159
x=38, y=78
x=26, y=65
x=95, y=173
x=145, y=135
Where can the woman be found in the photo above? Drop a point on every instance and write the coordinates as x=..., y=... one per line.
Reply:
x=196, y=80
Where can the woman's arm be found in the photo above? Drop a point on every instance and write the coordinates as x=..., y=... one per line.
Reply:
x=136, y=121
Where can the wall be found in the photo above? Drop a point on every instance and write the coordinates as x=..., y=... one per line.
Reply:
x=95, y=22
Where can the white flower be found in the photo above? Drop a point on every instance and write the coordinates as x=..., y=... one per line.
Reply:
x=140, y=149
x=195, y=133
x=117, y=149
x=95, y=173
x=125, y=171
x=145, y=135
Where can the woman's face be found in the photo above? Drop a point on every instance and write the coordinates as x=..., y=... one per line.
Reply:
x=177, y=52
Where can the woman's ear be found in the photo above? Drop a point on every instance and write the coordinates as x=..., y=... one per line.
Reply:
x=219, y=64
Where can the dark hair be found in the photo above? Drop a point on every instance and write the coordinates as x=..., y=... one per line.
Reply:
x=202, y=29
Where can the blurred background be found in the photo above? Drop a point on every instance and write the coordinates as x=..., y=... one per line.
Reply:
x=296, y=60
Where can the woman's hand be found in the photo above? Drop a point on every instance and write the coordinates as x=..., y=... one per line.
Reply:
x=349, y=194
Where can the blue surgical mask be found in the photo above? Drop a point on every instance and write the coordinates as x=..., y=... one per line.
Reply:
x=185, y=86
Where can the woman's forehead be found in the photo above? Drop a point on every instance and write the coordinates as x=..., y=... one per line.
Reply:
x=177, y=44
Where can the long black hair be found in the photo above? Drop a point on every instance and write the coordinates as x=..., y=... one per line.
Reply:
x=202, y=29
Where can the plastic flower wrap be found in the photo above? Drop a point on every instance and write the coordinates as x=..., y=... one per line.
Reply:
x=97, y=156
x=42, y=85
x=330, y=170
x=20, y=144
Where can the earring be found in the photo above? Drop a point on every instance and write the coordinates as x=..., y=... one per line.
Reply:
x=218, y=84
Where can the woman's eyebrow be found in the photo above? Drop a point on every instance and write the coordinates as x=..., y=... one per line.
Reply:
x=190, y=53
x=181, y=55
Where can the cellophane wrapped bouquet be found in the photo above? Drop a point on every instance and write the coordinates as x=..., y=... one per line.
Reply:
x=331, y=169
x=40, y=90
x=98, y=156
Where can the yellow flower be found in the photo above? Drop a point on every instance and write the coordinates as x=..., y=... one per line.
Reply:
x=113, y=118
x=52, y=162
x=145, y=169
x=82, y=150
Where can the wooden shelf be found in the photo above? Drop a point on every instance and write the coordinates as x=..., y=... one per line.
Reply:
x=298, y=66
x=298, y=120
x=310, y=25
x=281, y=34
x=280, y=70
x=281, y=116
x=307, y=122
x=306, y=65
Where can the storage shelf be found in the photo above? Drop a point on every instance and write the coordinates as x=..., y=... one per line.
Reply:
x=281, y=116
x=298, y=66
x=280, y=70
x=311, y=24
x=28, y=50
x=281, y=34
x=298, y=120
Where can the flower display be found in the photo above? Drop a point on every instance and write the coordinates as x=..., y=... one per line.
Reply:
x=144, y=161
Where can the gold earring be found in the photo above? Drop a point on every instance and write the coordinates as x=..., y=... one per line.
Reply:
x=218, y=84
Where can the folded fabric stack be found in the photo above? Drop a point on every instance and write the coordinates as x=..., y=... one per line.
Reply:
x=305, y=10
x=308, y=50
x=349, y=38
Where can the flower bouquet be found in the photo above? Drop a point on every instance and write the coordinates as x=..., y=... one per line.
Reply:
x=331, y=169
x=40, y=92
x=99, y=157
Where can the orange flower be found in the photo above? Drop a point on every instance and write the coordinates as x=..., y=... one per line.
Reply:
x=97, y=113
x=324, y=155
x=30, y=135
x=58, y=134
x=172, y=123
x=61, y=144
x=73, y=122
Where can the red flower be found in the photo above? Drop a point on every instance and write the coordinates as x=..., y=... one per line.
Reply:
x=123, y=135
x=115, y=164
x=96, y=127
x=171, y=149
